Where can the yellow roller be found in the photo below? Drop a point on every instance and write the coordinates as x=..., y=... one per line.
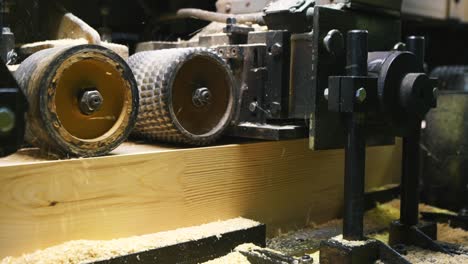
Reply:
x=83, y=100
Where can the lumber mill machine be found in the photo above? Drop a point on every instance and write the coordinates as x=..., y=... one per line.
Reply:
x=337, y=73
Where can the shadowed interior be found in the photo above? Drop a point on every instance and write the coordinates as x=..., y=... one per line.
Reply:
x=196, y=73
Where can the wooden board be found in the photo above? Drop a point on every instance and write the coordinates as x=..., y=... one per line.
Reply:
x=459, y=10
x=147, y=189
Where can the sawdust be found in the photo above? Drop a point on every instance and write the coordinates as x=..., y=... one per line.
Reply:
x=80, y=251
x=315, y=256
x=382, y=215
x=422, y=207
x=31, y=48
x=351, y=243
x=237, y=257
x=448, y=234
x=252, y=247
x=121, y=50
x=420, y=256
x=231, y=258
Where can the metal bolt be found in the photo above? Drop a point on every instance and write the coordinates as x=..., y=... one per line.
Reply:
x=361, y=95
x=90, y=102
x=231, y=21
x=325, y=93
x=7, y=120
x=307, y=259
x=253, y=107
x=276, y=49
x=201, y=97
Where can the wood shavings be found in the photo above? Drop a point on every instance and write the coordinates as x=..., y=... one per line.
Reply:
x=350, y=243
x=31, y=48
x=452, y=235
x=80, y=251
x=231, y=258
x=420, y=256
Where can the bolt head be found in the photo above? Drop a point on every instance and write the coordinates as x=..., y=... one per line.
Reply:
x=7, y=120
x=90, y=102
x=253, y=106
x=201, y=97
x=361, y=95
x=276, y=49
x=231, y=21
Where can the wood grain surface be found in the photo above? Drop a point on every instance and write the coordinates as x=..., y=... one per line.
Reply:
x=145, y=189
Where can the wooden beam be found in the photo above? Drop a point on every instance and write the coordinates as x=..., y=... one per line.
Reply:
x=147, y=189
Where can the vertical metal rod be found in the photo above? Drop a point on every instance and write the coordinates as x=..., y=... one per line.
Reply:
x=355, y=164
x=409, y=212
x=355, y=149
x=356, y=53
x=417, y=46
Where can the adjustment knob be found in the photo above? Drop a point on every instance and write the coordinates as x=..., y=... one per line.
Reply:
x=417, y=94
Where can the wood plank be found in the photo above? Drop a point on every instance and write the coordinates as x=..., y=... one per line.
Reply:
x=282, y=184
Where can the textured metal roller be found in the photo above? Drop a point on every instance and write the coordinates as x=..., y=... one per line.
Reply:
x=83, y=100
x=186, y=95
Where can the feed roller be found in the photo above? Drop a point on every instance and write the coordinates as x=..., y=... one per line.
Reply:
x=83, y=100
x=186, y=95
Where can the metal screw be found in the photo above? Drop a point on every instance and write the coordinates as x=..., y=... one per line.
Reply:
x=325, y=93
x=90, y=102
x=361, y=95
x=253, y=106
x=276, y=49
x=201, y=97
x=7, y=120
